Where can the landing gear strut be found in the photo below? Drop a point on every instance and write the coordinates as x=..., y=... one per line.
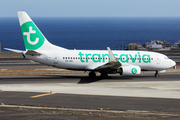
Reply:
x=92, y=74
x=156, y=74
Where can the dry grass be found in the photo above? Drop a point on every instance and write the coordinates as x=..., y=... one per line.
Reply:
x=37, y=72
x=10, y=54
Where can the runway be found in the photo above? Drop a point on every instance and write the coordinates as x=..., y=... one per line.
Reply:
x=146, y=85
x=142, y=93
x=91, y=102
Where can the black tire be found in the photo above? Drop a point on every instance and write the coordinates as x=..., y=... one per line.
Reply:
x=104, y=75
x=92, y=74
x=156, y=75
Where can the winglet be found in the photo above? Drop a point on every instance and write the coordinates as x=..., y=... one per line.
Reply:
x=111, y=55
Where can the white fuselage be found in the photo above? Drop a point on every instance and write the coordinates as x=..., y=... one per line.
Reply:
x=89, y=59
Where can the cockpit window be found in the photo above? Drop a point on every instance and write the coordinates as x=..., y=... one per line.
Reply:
x=166, y=57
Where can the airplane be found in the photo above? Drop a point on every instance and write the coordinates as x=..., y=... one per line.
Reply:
x=124, y=62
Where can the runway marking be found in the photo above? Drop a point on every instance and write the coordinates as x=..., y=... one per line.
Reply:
x=41, y=95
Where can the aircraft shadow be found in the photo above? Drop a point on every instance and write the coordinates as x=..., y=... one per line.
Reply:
x=82, y=79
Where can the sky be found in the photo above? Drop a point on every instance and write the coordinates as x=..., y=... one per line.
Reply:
x=91, y=8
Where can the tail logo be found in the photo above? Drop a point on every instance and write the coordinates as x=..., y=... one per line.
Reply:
x=28, y=36
x=33, y=38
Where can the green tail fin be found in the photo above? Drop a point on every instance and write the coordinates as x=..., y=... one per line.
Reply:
x=32, y=36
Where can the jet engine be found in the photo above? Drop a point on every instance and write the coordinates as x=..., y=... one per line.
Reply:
x=129, y=70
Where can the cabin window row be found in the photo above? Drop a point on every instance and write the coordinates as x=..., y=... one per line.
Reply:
x=107, y=58
x=83, y=58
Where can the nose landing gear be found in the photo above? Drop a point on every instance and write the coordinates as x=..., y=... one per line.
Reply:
x=156, y=74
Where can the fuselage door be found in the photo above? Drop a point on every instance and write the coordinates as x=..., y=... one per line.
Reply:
x=157, y=60
x=55, y=60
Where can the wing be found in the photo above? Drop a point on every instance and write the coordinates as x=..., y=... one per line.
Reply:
x=113, y=64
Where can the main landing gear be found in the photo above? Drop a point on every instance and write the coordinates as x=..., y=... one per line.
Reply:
x=92, y=74
x=104, y=75
x=156, y=74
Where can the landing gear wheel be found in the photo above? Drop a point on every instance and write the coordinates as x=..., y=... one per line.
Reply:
x=156, y=74
x=92, y=74
x=104, y=75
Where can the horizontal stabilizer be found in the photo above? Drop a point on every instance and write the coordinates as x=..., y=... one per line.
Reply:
x=13, y=50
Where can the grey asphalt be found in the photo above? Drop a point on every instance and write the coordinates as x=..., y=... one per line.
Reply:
x=20, y=63
x=91, y=101
x=88, y=101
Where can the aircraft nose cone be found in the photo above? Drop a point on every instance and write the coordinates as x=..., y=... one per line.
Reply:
x=173, y=63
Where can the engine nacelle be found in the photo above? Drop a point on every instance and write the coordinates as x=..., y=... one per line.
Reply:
x=129, y=70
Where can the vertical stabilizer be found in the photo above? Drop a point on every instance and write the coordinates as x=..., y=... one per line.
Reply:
x=32, y=36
